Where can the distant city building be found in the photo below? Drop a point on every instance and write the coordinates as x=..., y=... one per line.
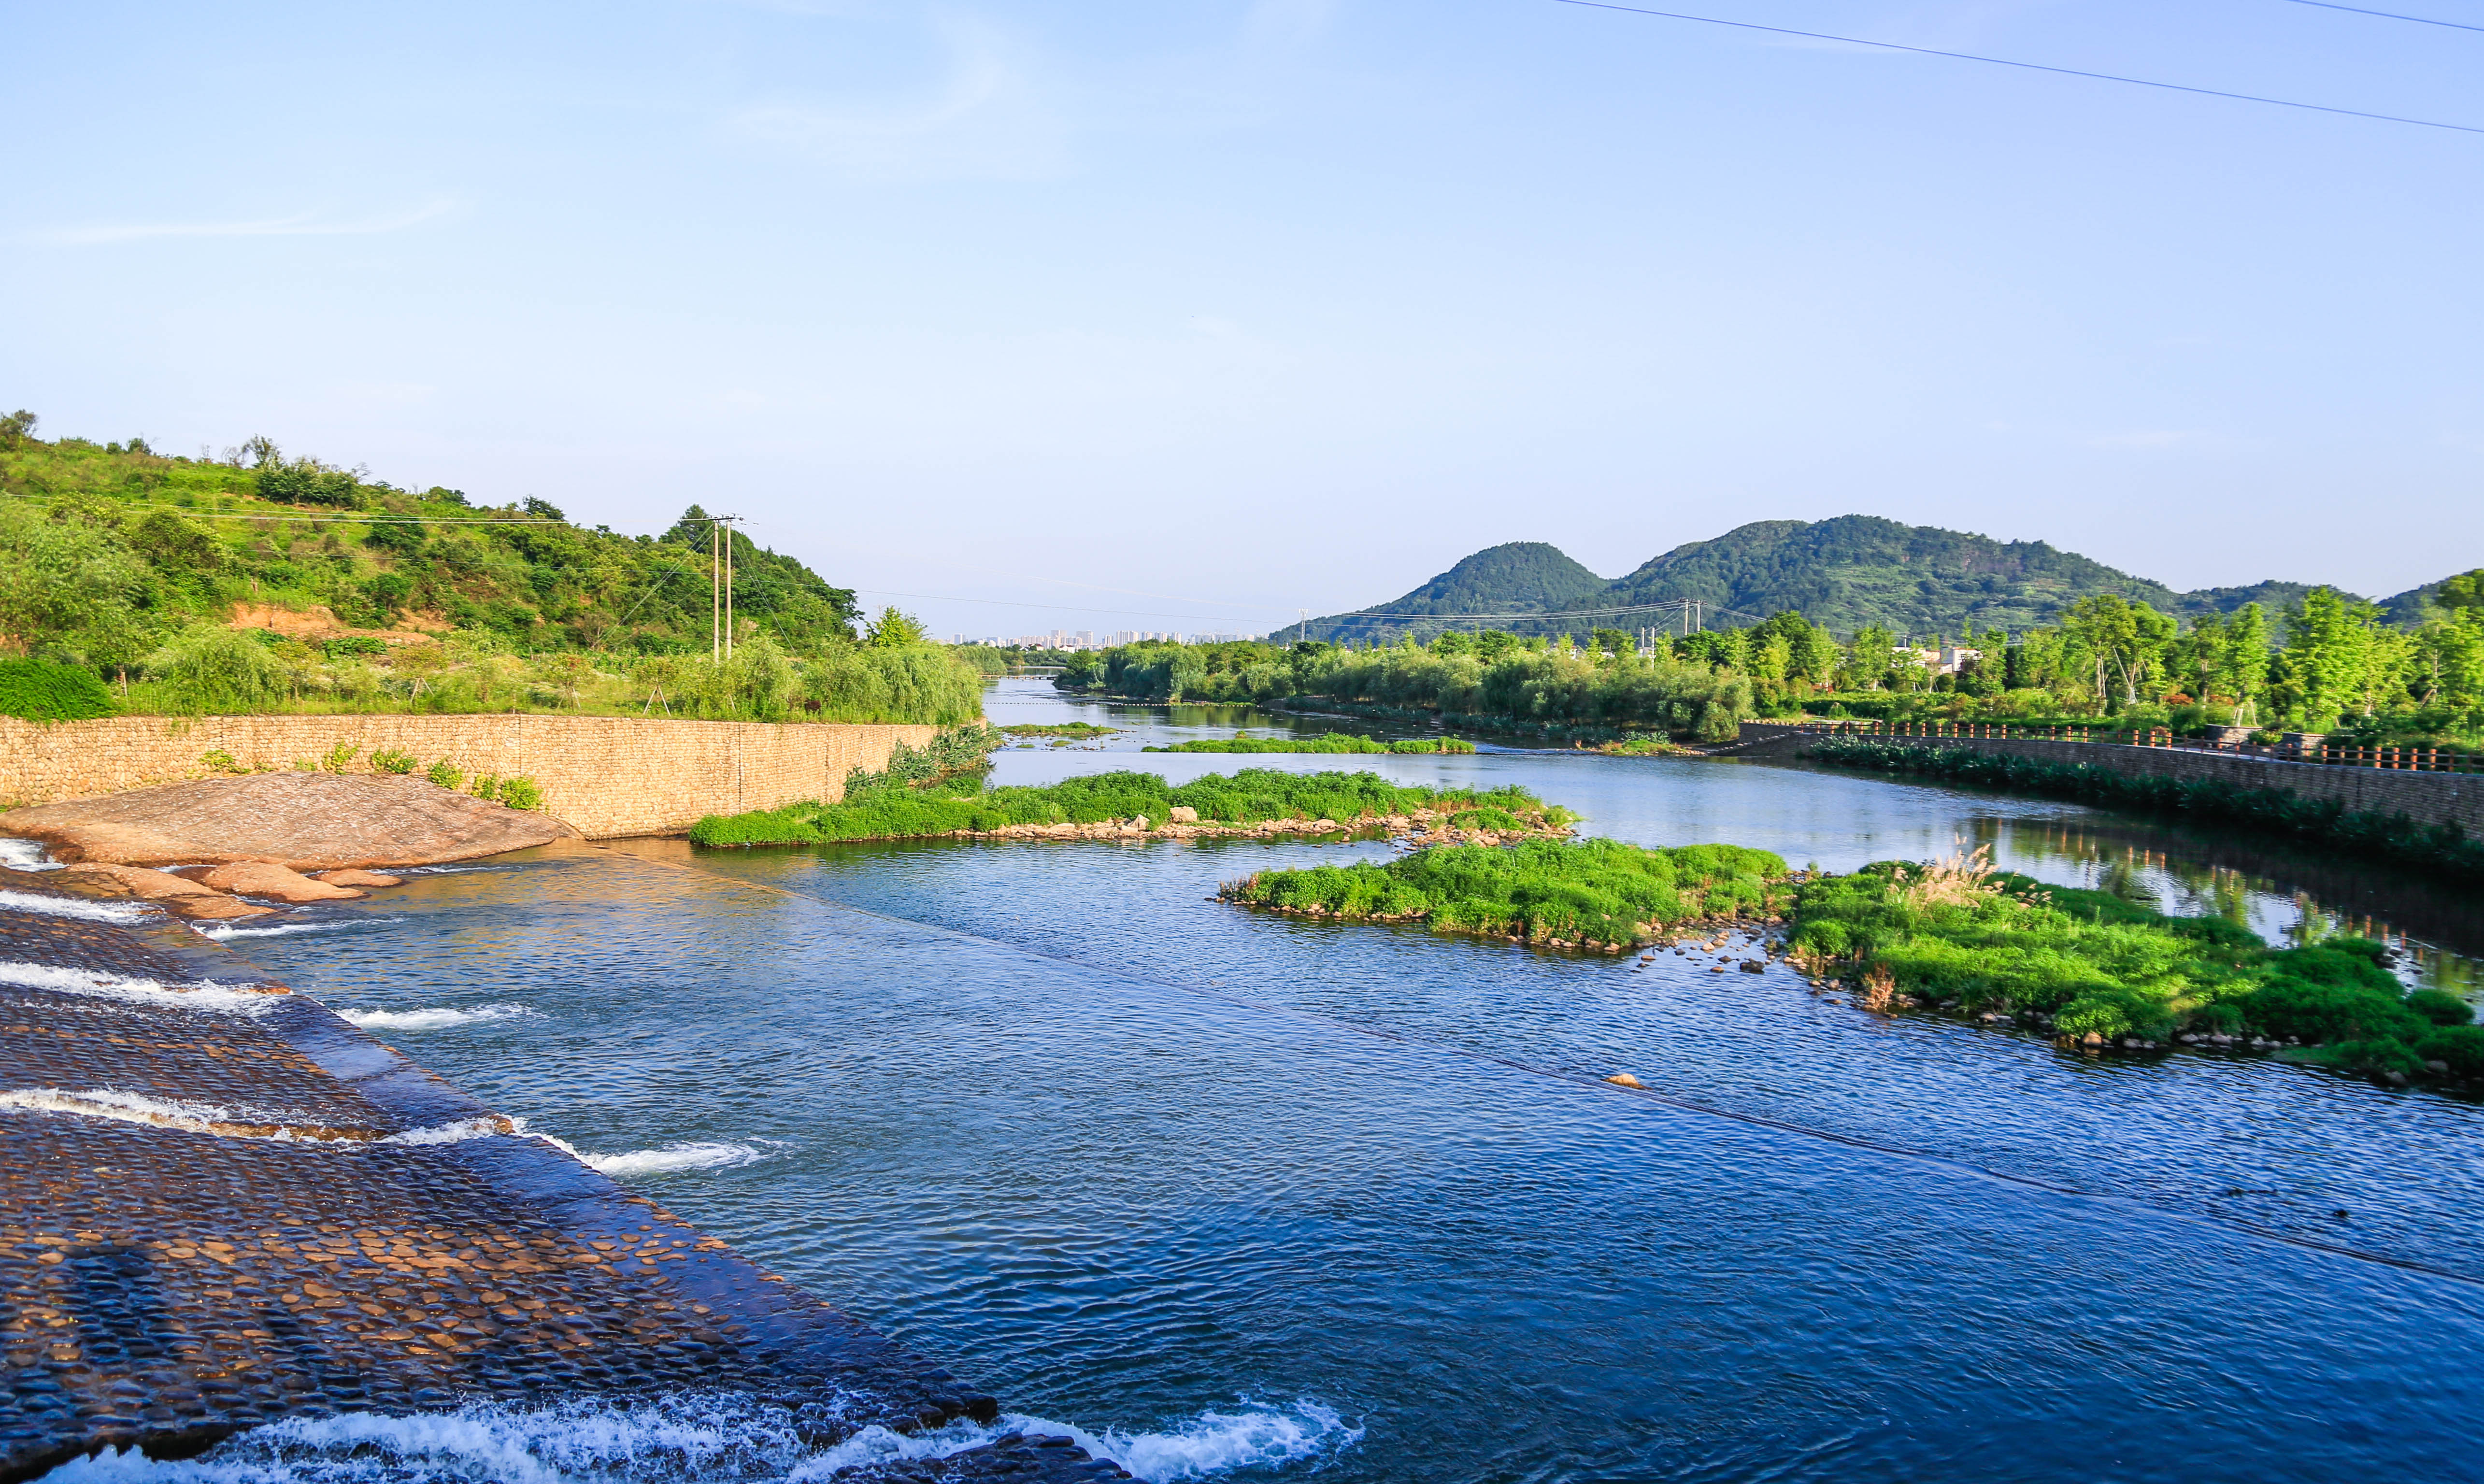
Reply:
x=1948, y=659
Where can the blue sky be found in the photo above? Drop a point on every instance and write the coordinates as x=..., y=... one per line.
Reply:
x=1190, y=314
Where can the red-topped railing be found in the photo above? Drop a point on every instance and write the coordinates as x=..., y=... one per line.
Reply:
x=2308, y=749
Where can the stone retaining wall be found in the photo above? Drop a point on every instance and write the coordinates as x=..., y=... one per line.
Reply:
x=2428, y=798
x=608, y=776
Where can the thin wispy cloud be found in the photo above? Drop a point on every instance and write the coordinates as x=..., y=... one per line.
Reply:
x=2152, y=437
x=985, y=118
x=307, y=224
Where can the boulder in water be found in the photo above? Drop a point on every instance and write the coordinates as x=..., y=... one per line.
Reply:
x=260, y=879
x=1624, y=1080
x=358, y=879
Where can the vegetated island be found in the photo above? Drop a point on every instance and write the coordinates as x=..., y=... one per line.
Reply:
x=1064, y=732
x=1119, y=805
x=1332, y=744
x=2084, y=967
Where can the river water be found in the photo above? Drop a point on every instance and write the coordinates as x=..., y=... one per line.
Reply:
x=1258, y=1198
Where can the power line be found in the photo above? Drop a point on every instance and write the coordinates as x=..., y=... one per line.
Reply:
x=2421, y=20
x=2033, y=67
x=1057, y=608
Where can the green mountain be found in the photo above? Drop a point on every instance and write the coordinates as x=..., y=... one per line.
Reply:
x=1522, y=577
x=1844, y=572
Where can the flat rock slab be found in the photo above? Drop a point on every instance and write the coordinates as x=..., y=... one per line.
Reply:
x=283, y=883
x=306, y=822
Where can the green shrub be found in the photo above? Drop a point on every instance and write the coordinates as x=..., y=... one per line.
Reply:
x=883, y=806
x=2440, y=1007
x=1320, y=745
x=390, y=759
x=444, y=773
x=521, y=794
x=208, y=668
x=41, y=692
x=486, y=786
x=2462, y=1046
x=340, y=757
x=2380, y=1054
x=1591, y=891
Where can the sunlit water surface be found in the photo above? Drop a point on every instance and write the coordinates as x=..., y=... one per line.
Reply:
x=1256, y=1197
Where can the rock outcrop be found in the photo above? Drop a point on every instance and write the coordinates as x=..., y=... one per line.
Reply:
x=302, y=820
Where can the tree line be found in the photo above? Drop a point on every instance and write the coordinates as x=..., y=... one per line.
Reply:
x=2327, y=662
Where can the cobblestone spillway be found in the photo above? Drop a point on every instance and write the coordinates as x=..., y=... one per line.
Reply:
x=222, y=1206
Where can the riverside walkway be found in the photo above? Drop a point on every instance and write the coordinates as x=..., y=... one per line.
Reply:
x=222, y=1206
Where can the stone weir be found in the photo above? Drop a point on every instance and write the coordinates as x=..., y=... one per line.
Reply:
x=221, y=1205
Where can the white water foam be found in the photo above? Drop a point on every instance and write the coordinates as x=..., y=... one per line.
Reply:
x=220, y=932
x=203, y=994
x=137, y=1108
x=437, y=1019
x=1253, y=1437
x=25, y=855
x=681, y=1438
x=77, y=906
x=673, y=1158
x=460, y=1131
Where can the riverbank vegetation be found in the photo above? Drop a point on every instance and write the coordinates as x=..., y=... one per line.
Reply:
x=886, y=808
x=1329, y=744
x=254, y=583
x=2328, y=662
x=2092, y=967
x=1597, y=893
x=2325, y=822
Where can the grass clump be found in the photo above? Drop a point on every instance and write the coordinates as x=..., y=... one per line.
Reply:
x=1600, y=893
x=1322, y=744
x=41, y=692
x=886, y=807
x=1071, y=731
x=2094, y=964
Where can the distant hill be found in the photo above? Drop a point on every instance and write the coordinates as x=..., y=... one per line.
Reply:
x=1522, y=577
x=1845, y=573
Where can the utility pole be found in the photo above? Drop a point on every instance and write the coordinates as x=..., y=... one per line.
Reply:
x=719, y=587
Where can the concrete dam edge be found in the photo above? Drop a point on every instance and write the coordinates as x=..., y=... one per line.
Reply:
x=607, y=777
x=227, y=1205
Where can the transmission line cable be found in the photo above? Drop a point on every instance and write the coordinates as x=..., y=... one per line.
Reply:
x=2357, y=9
x=2031, y=67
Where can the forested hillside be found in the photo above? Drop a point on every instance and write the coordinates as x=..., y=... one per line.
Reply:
x=260, y=582
x=1847, y=574
x=1522, y=577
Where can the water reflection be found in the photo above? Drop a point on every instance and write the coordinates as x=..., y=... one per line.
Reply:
x=2286, y=892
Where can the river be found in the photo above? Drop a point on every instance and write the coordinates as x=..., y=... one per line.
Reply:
x=1253, y=1197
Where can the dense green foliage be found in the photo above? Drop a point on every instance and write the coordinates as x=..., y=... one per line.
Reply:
x=2327, y=662
x=51, y=692
x=1496, y=680
x=1331, y=743
x=2100, y=965
x=889, y=808
x=2327, y=822
x=1589, y=892
x=142, y=568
